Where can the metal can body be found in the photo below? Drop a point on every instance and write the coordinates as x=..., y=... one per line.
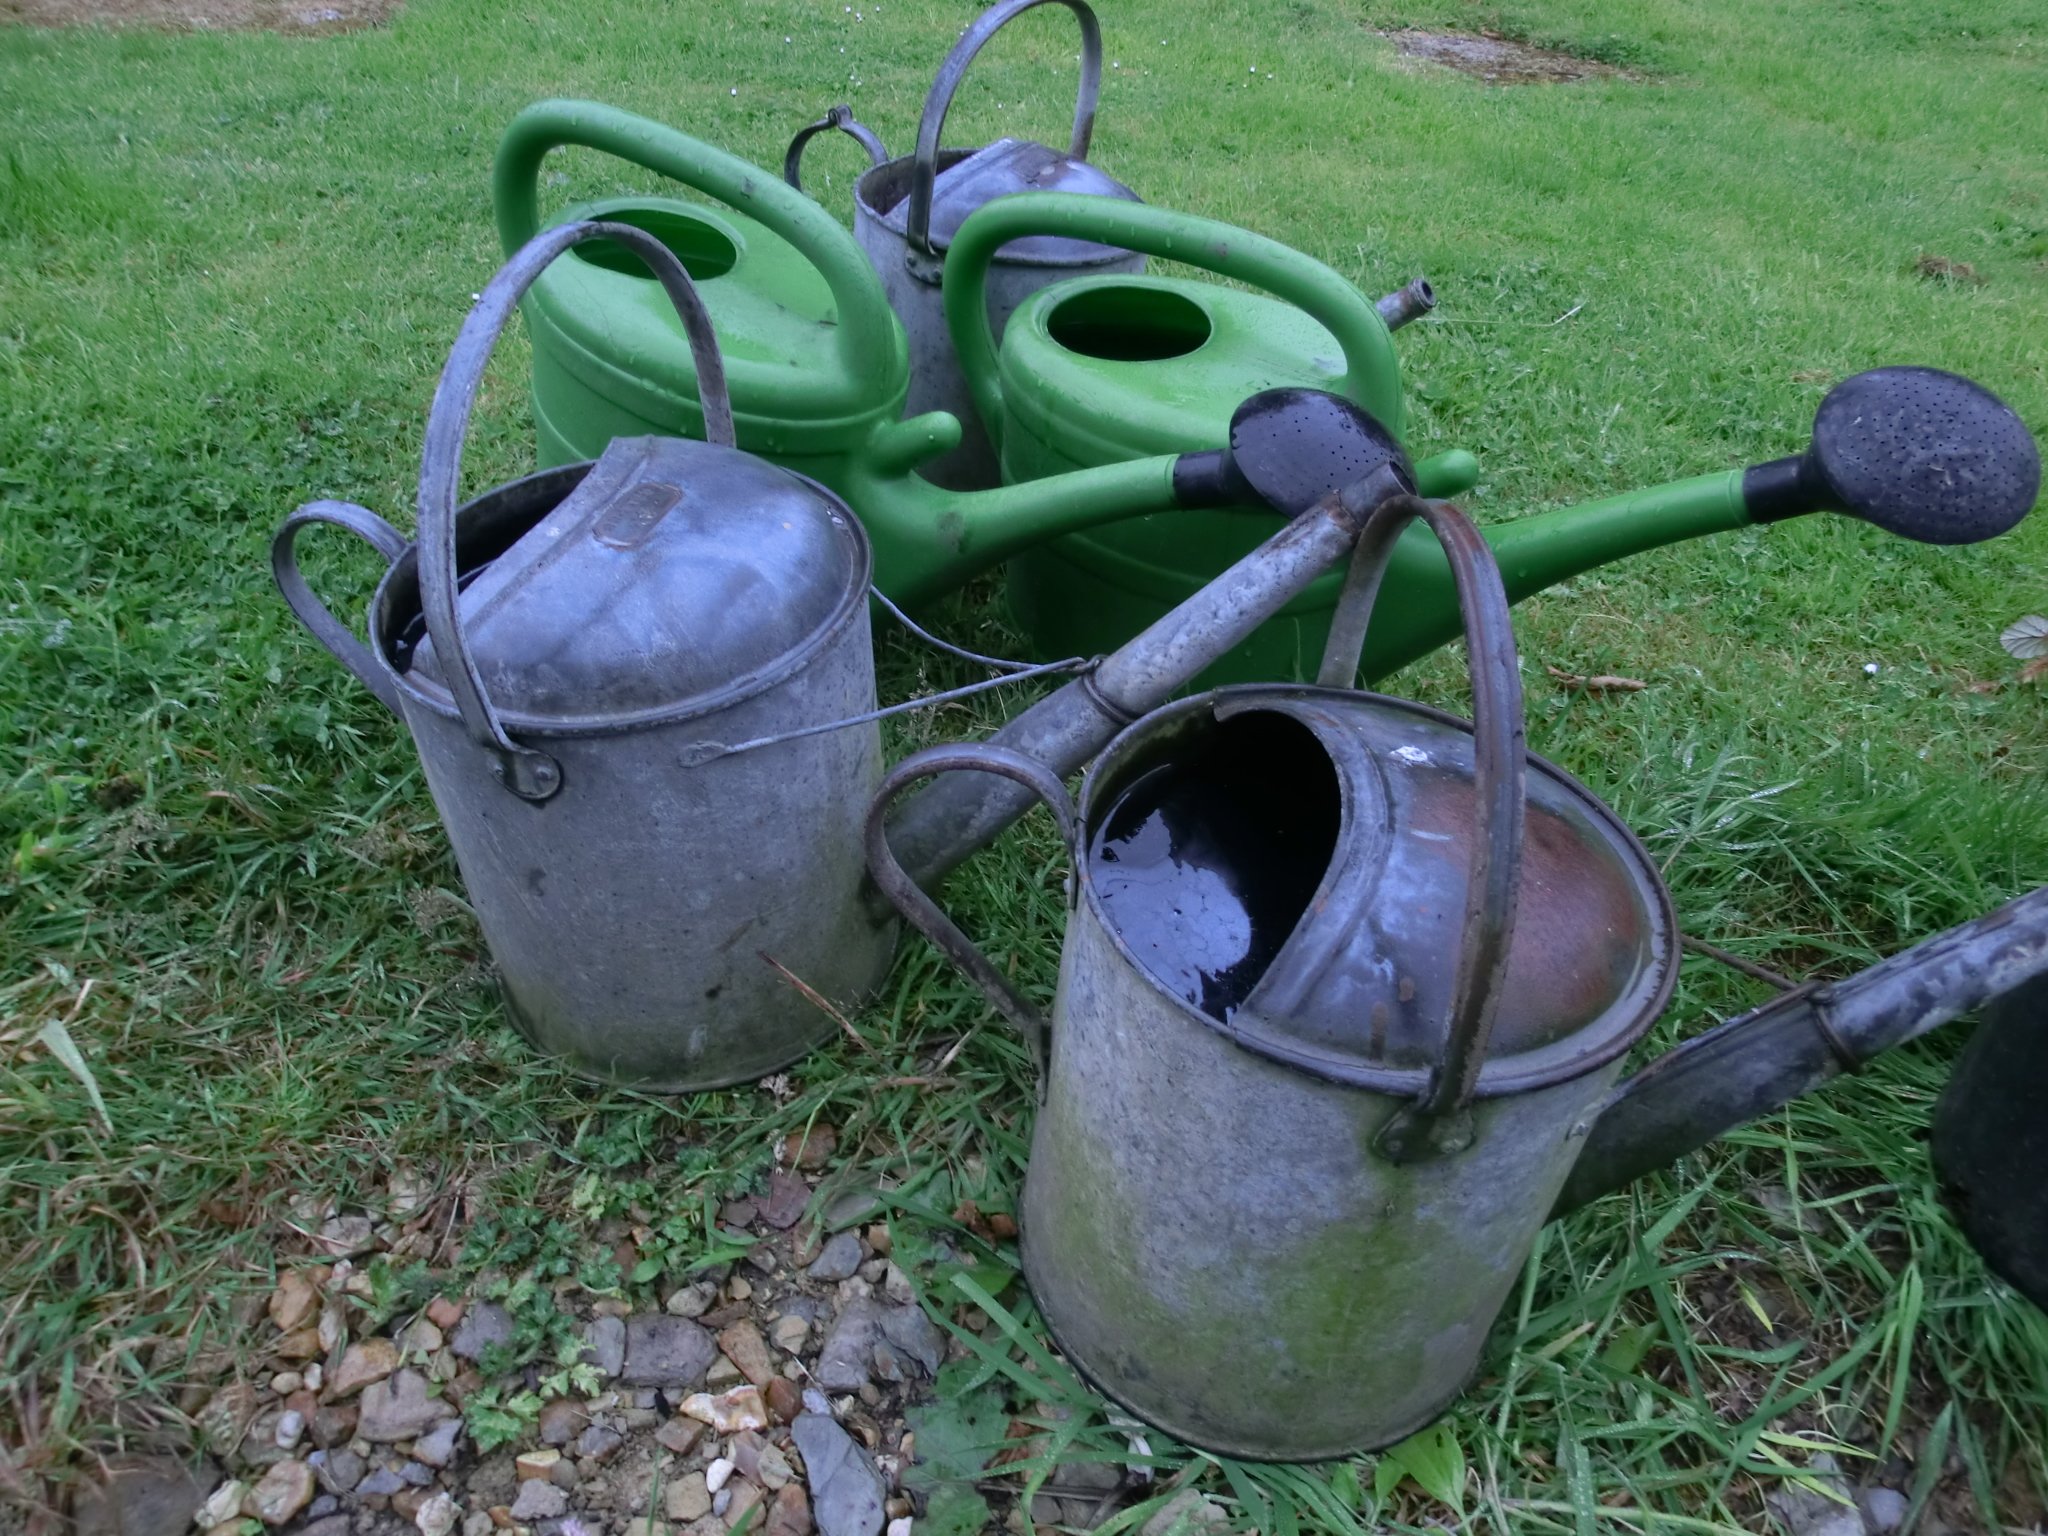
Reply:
x=1213, y=1243
x=633, y=915
x=910, y=278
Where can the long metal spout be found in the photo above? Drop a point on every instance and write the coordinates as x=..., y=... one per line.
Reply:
x=1409, y=302
x=1790, y=1046
x=953, y=816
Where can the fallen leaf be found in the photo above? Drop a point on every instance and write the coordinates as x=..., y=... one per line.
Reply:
x=1605, y=682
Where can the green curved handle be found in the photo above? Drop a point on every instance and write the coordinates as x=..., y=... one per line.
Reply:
x=1372, y=372
x=867, y=329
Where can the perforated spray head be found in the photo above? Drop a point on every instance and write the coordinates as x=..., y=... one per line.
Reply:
x=1289, y=448
x=1927, y=455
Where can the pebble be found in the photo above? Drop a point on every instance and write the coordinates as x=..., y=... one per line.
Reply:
x=723, y=1374
x=691, y=1300
x=348, y=1236
x=598, y=1442
x=325, y=1505
x=282, y=1492
x=846, y=1491
x=746, y=1349
x=560, y=1422
x=838, y=1260
x=1884, y=1509
x=478, y=1522
x=485, y=1325
x=605, y=1340
x=293, y=1302
x=437, y=1447
x=689, y=1498
x=873, y=1270
x=285, y=1383
x=664, y=1351
x=717, y=1473
x=784, y=1203
x=420, y=1337
x=334, y=1423
x=362, y=1364
x=917, y=1335
x=311, y=1377
x=790, y=1514
x=784, y=1399
x=721, y=1501
x=789, y=1333
x=745, y=1497
x=381, y=1483
x=401, y=1408
x=332, y=1525
x=843, y=1362
x=413, y=1475
x=222, y=1505
x=680, y=1435
x=811, y=1149
x=539, y=1500
x=896, y=1286
x=437, y=1516
x=899, y=1527
x=729, y=1412
x=444, y=1314
x=739, y=1289
x=339, y=1470
x=291, y=1428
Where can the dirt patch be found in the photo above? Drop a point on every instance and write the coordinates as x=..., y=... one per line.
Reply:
x=1495, y=59
x=303, y=17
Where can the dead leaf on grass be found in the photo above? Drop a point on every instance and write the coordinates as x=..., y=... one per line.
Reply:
x=1604, y=682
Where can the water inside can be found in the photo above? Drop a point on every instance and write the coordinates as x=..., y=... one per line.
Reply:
x=1205, y=863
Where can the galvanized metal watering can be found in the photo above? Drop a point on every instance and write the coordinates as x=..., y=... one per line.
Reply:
x=907, y=211
x=561, y=647
x=1347, y=985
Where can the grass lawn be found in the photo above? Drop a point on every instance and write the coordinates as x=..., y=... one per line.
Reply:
x=230, y=267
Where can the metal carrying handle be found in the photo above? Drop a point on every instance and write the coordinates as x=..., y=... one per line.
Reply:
x=842, y=118
x=529, y=773
x=918, y=222
x=1435, y=1122
x=316, y=615
x=923, y=913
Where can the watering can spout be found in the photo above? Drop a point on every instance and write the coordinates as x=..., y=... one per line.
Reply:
x=1795, y=1043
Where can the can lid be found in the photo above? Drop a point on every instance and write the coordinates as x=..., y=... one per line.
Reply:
x=675, y=578
x=999, y=169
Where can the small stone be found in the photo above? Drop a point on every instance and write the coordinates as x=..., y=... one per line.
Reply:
x=329, y=1329
x=413, y=1475
x=739, y=1288
x=334, y=1424
x=483, y=1326
x=717, y=1474
x=723, y=1374
x=344, y=1237
x=789, y=1333
x=881, y=1239
x=478, y=1522
x=873, y=1270
x=745, y=1498
x=1807, y=1512
x=311, y=1377
x=666, y=1352
x=846, y=1491
x=437, y=1446
x=745, y=1348
x=604, y=1340
x=321, y=1507
x=737, y=1213
x=688, y=1498
x=291, y=1428
x=843, y=1362
x=899, y=1526
x=785, y=1400
x=444, y=1367
x=790, y=1514
x=407, y=1502
x=400, y=1408
x=680, y=1435
x=896, y=1287
x=285, y=1383
x=282, y=1492
x=812, y=1148
x=847, y=1292
x=916, y=1335
x=837, y=1261
x=1884, y=1510
x=729, y=1412
x=222, y=1505
x=380, y=1484
x=721, y=1501
x=332, y=1525
x=691, y=1300
x=294, y=1302
x=1187, y=1513
x=437, y=1516
x=532, y=1464
x=225, y=1418
x=361, y=1364
x=539, y=1500
x=565, y=1474
x=561, y=1421
x=599, y=1442
x=300, y=1344
x=784, y=1203
x=773, y=1470
x=420, y=1338
x=340, y=1469
x=444, y=1314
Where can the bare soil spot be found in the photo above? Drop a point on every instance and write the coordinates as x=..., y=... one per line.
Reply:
x=299, y=17
x=1495, y=59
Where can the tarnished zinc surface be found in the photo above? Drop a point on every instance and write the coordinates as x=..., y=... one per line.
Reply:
x=563, y=649
x=906, y=211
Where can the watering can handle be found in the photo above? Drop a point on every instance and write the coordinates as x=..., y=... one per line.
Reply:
x=1372, y=372
x=842, y=118
x=924, y=913
x=527, y=772
x=316, y=615
x=867, y=333
x=1435, y=1122
x=918, y=220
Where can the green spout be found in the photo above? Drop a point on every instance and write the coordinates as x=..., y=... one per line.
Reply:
x=1538, y=552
